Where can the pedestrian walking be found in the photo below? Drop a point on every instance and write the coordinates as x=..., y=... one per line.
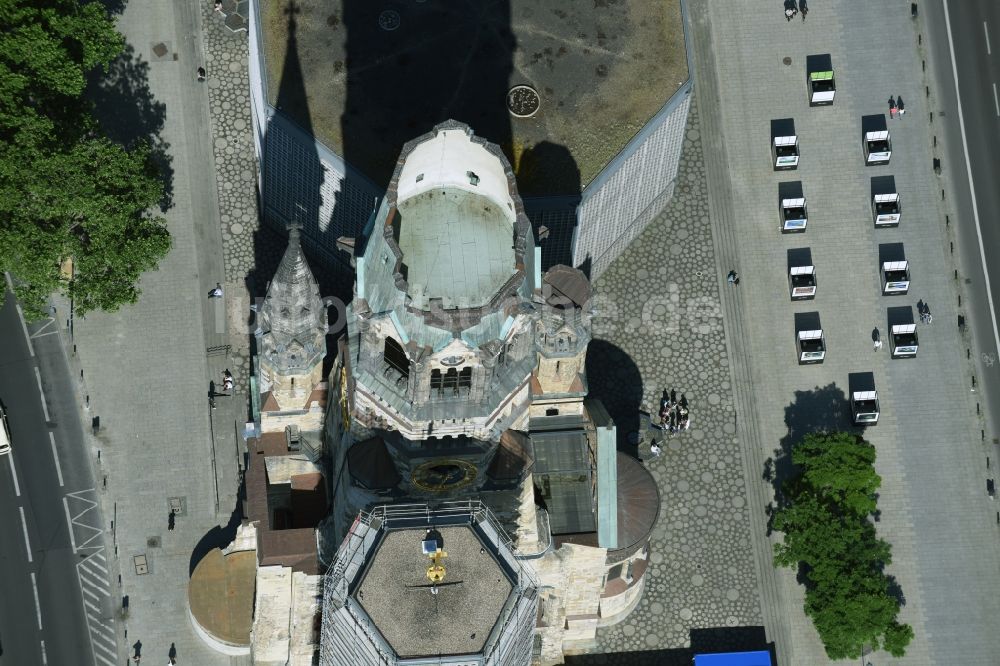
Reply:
x=892, y=106
x=804, y=8
x=217, y=292
x=170, y=520
x=789, y=13
x=733, y=278
x=655, y=449
x=899, y=107
x=876, y=339
x=201, y=73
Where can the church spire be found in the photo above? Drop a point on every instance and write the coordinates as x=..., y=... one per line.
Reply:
x=293, y=317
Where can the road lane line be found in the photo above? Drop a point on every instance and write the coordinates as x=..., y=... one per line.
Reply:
x=69, y=524
x=45, y=408
x=45, y=657
x=24, y=327
x=968, y=171
x=986, y=32
x=24, y=527
x=55, y=456
x=996, y=102
x=38, y=606
x=13, y=475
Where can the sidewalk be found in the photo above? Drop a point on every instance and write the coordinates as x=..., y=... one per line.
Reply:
x=750, y=69
x=147, y=368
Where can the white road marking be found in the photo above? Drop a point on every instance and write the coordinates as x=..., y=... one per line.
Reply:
x=986, y=31
x=996, y=103
x=10, y=282
x=45, y=407
x=968, y=171
x=55, y=456
x=24, y=327
x=45, y=657
x=69, y=525
x=13, y=474
x=38, y=606
x=24, y=527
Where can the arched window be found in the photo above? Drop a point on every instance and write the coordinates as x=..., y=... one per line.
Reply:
x=395, y=358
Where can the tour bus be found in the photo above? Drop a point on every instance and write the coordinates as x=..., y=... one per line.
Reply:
x=865, y=408
x=877, y=144
x=822, y=88
x=819, y=76
x=802, y=282
x=811, y=346
x=903, y=341
x=784, y=144
x=886, y=210
x=895, y=277
x=4, y=433
x=793, y=215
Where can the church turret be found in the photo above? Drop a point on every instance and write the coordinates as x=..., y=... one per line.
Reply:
x=292, y=332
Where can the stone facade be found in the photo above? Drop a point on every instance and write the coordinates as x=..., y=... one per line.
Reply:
x=438, y=394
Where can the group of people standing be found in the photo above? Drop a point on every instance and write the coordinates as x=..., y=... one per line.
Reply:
x=674, y=413
x=896, y=108
x=792, y=8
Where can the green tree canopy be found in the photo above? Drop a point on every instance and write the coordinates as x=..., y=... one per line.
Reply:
x=67, y=191
x=829, y=536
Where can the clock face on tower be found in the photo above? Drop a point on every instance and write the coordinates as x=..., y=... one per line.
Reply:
x=444, y=474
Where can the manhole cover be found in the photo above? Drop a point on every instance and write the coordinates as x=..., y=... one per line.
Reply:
x=786, y=60
x=523, y=101
x=141, y=565
x=160, y=49
x=698, y=274
x=389, y=19
x=153, y=542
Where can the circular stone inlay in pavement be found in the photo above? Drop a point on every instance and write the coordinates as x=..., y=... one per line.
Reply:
x=389, y=20
x=732, y=594
x=628, y=630
x=237, y=228
x=700, y=511
x=686, y=614
x=738, y=502
x=697, y=580
x=682, y=485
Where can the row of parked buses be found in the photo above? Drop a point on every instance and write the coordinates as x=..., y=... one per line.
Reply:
x=886, y=212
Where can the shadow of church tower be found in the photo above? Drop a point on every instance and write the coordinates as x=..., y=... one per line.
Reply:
x=292, y=185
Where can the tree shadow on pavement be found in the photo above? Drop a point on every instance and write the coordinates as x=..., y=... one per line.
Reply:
x=615, y=380
x=817, y=410
x=129, y=114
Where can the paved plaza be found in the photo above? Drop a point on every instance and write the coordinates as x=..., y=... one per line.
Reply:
x=659, y=326
x=667, y=319
x=749, y=69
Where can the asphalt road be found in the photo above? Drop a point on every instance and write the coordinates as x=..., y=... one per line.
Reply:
x=52, y=552
x=964, y=40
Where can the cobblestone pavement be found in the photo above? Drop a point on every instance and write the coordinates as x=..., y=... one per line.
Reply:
x=226, y=61
x=660, y=326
